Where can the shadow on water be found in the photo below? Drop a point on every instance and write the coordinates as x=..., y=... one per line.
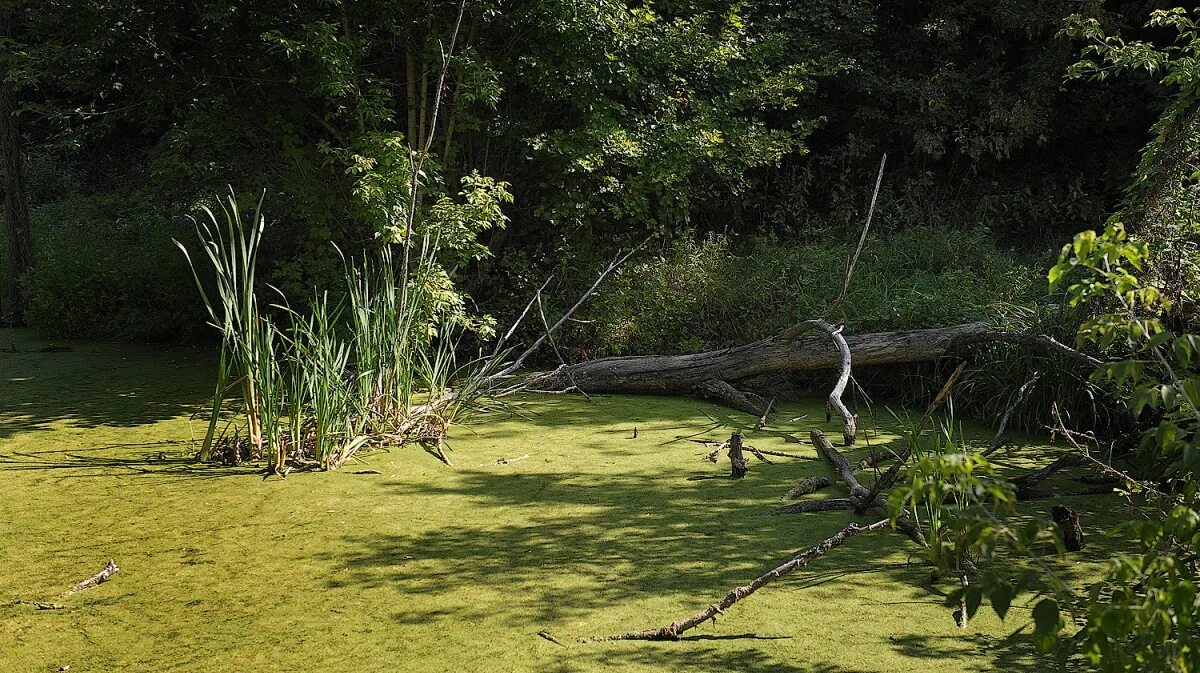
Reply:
x=91, y=386
x=682, y=534
x=687, y=657
x=685, y=534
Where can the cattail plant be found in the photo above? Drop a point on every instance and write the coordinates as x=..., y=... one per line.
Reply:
x=379, y=366
x=232, y=247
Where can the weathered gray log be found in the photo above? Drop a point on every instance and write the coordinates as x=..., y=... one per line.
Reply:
x=104, y=575
x=825, y=505
x=795, y=349
x=858, y=493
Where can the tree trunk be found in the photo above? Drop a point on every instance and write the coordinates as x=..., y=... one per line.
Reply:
x=736, y=458
x=1068, y=525
x=792, y=350
x=18, y=238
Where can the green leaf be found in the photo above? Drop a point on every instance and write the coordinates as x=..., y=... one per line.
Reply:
x=1045, y=617
x=1001, y=598
x=1046, y=624
x=973, y=597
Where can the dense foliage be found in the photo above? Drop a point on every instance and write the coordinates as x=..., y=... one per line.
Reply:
x=1136, y=295
x=610, y=121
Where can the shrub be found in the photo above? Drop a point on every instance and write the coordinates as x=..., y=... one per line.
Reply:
x=711, y=293
x=103, y=269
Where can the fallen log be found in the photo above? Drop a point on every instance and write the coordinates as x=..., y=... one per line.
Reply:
x=806, y=486
x=714, y=374
x=674, y=630
x=1026, y=482
x=103, y=576
x=807, y=506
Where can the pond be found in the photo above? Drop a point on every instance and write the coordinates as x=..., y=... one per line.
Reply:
x=554, y=519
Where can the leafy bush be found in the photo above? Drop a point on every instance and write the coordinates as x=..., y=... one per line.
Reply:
x=710, y=293
x=103, y=269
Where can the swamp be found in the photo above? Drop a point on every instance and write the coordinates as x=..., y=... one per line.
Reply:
x=836, y=336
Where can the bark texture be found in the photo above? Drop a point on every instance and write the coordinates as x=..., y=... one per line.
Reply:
x=1068, y=525
x=17, y=236
x=714, y=374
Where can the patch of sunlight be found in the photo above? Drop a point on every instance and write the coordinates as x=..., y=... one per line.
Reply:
x=400, y=563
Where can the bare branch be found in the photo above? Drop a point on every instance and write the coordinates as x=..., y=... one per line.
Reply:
x=862, y=239
x=617, y=262
x=674, y=630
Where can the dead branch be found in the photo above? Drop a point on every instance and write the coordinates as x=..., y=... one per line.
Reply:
x=617, y=261
x=674, y=630
x=859, y=495
x=862, y=239
x=711, y=456
x=762, y=422
x=508, y=335
x=806, y=486
x=1026, y=482
x=826, y=505
x=784, y=454
x=849, y=420
x=885, y=482
x=938, y=401
x=1001, y=439
x=759, y=455
x=102, y=576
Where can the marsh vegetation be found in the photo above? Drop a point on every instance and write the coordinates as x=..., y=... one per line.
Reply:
x=588, y=335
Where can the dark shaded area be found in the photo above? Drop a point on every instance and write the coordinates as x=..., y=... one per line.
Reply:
x=95, y=385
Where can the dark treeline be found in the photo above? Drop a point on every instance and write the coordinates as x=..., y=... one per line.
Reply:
x=752, y=128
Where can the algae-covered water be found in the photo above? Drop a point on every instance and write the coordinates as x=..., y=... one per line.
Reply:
x=554, y=519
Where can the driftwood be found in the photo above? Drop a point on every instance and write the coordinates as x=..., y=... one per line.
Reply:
x=806, y=486
x=714, y=374
x=674, y=630
x=102, y=576
x=860, y=496
x=783, y=454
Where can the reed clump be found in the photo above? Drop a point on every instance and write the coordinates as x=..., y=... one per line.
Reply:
x=376, y=365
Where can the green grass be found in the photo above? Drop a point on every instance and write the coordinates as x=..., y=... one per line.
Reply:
x=426, y=568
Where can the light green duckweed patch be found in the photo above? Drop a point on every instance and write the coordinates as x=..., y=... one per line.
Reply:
x=554, y=520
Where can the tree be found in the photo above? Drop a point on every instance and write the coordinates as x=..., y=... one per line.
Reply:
x=16, y=211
